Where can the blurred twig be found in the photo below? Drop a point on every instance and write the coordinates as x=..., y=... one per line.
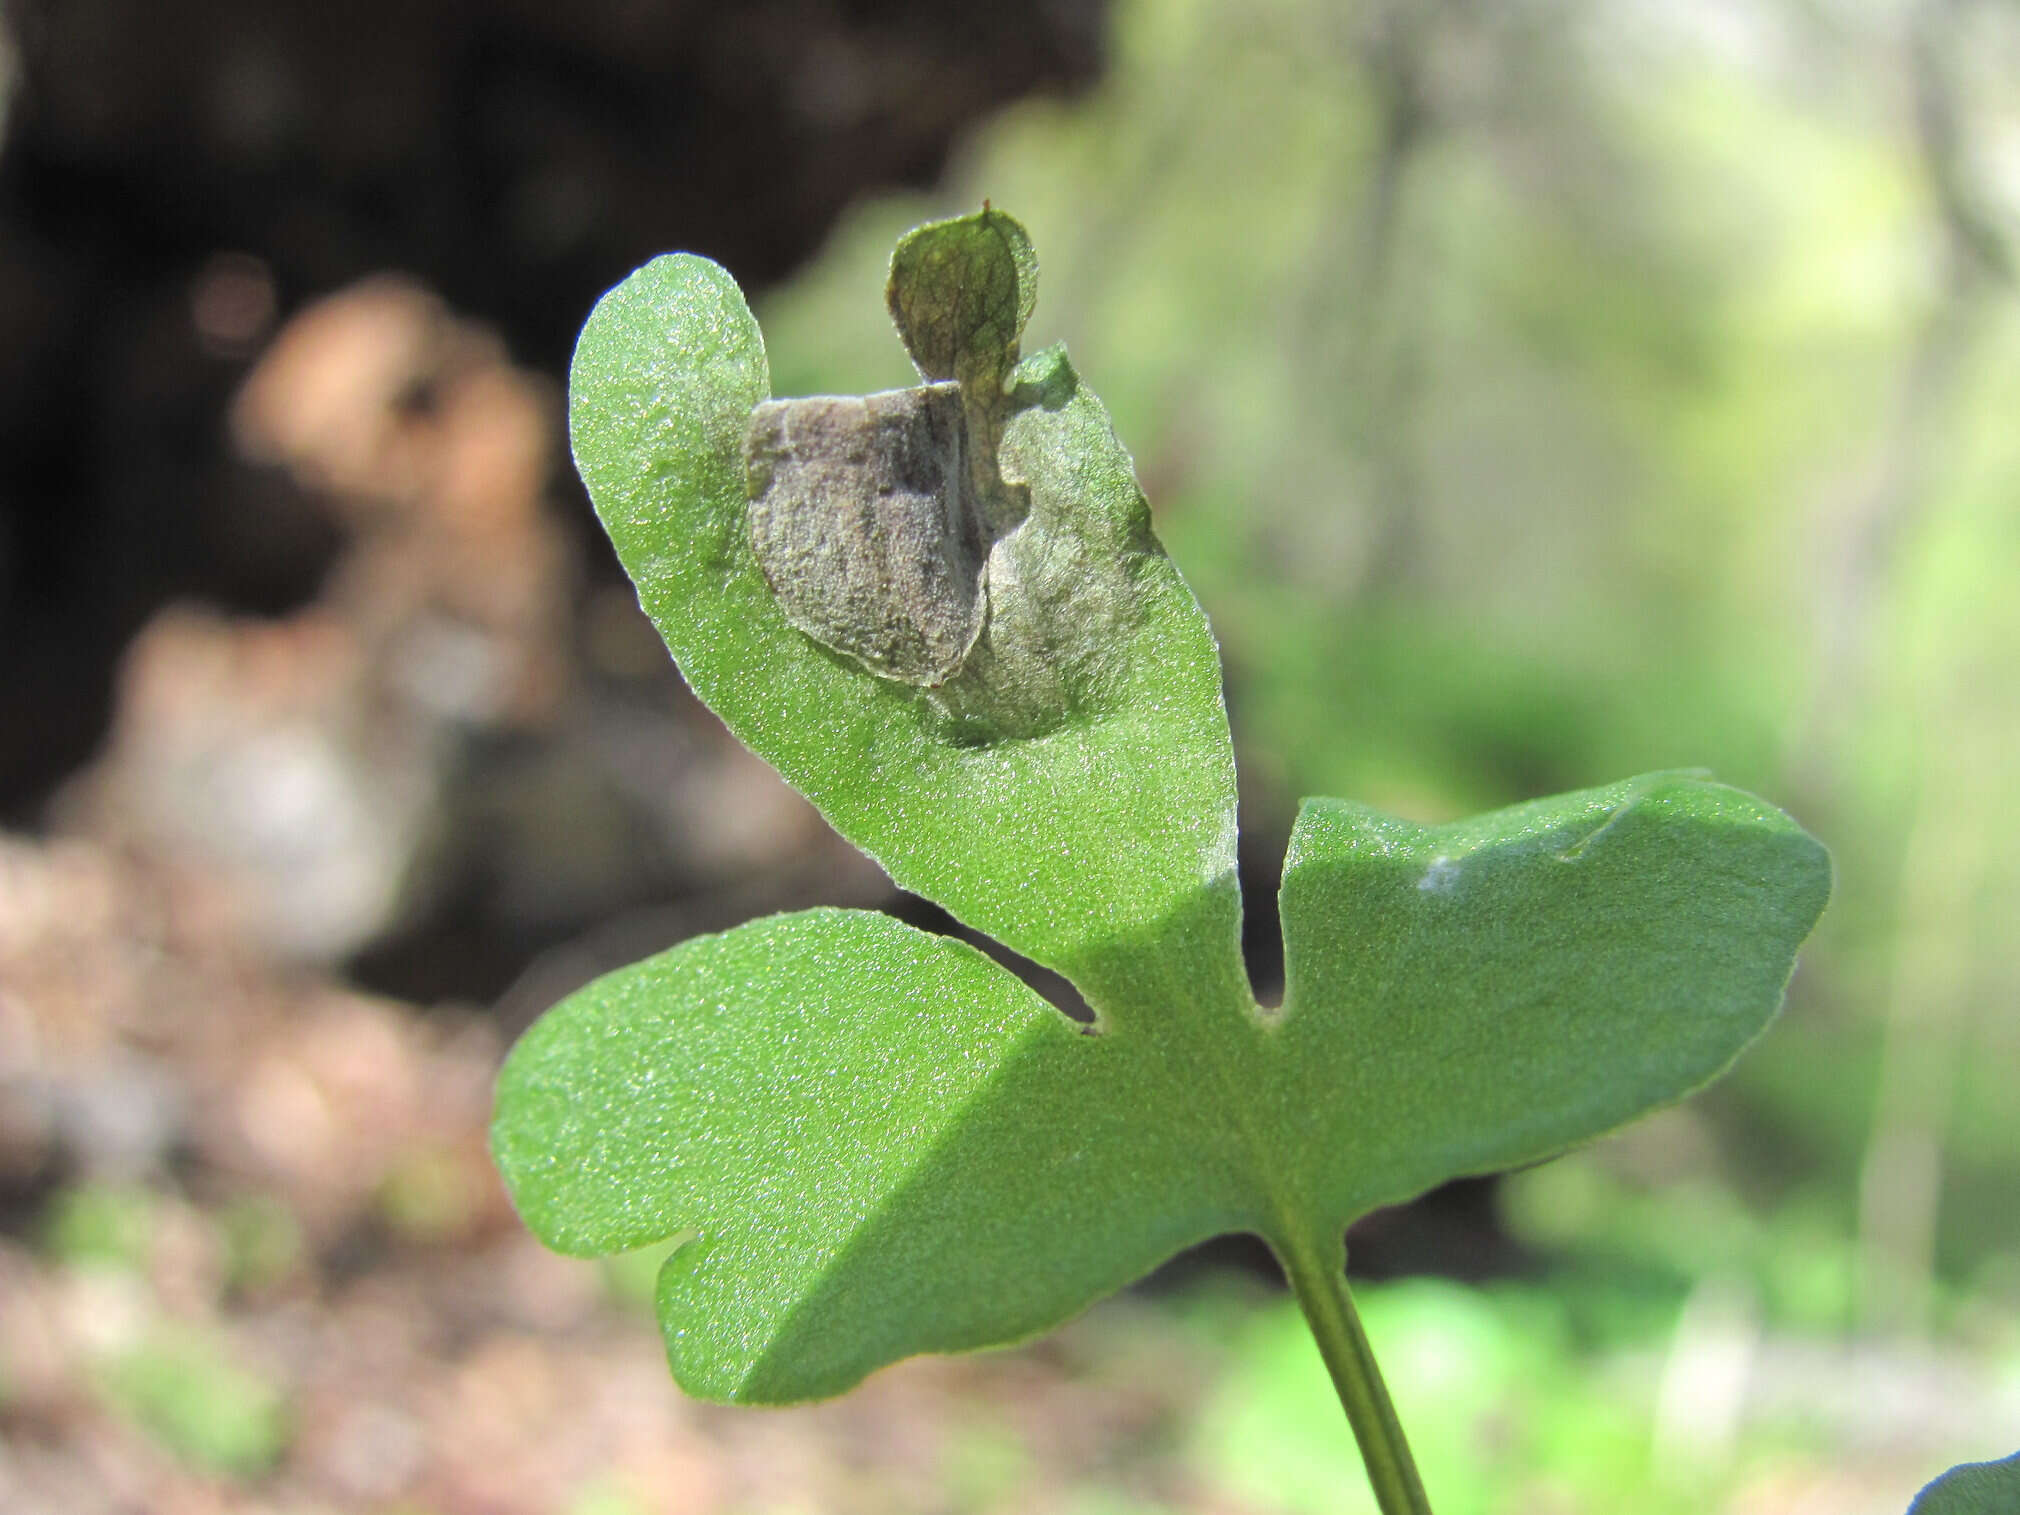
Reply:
x=1943, y=874
x=1348, y=334
x=1978, y=249
x=1181, y=109
x=1977, y=265
x=1945, y=862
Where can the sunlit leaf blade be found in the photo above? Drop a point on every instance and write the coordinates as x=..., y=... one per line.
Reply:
x=1068, y=819
x=1469, y=997
x=1973, y=1488
x=881, y=1143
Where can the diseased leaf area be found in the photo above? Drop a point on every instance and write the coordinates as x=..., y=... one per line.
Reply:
x=866, y=530
x=1071, y=784
x=941, y=614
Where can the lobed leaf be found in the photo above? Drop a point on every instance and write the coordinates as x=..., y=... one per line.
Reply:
x=884, y=1144
x=878, y=1142
x=1074, y=788
x=941, y=614
x=1471, y=997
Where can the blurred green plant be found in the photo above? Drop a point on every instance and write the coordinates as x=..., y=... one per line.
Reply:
x=1520, y=1396
x=180, y=1386
x=262, y=1240
x=601, y=1499
x=425, y=1196
x=1500, y=1404
x=941, y=614
x=99, y=1224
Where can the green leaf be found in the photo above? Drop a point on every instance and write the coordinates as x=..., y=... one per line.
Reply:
x=880, y=1142
x=1470, y=997
x=1973, y=1488
x=960, y=292
x=884, y=1144
x=1070, y=789
x=874, y=1142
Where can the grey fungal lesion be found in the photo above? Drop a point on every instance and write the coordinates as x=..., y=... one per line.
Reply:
x=866, y=528
x=915, y=534
x=901, y=531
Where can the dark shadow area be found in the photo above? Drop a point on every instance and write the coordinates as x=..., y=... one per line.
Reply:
x=1454, y=1232
x=1054, y=988
x=516, y=159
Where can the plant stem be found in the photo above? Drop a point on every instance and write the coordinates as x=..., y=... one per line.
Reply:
x=1318, y=1276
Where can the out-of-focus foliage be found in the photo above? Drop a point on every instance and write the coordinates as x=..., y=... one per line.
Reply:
x=1538, y=393
x=100, y=1225
x=1522, y=1398
x=176, y=1381
x=184, y=1390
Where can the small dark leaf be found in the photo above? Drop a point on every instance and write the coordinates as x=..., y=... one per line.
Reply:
x=960, y=292
x=1973, y=1488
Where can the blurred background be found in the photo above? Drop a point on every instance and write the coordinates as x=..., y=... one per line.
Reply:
x=1535, y=392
